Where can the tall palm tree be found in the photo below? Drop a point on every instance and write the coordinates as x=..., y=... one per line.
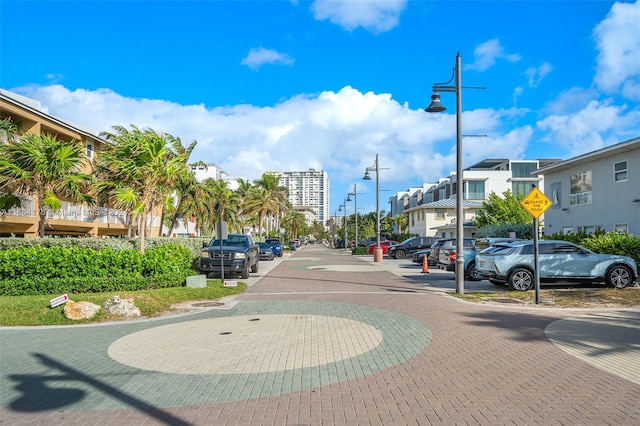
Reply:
x=259, y=202
x=139, y=170
x=222, y=202
x=280, y=195
x=189, y=193
x=185, y=180
x=8, y=132
x=293, y=222
x=46, y=168
x=243, y=187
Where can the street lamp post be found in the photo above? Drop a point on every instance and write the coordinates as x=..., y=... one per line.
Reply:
x=436, y=106
x=344, y=222
x=355, y=209
x=377, y=253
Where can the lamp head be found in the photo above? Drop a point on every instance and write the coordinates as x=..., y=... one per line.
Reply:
x=436, y=105
x=348, y=197
x=340, y=208
x=366, y=176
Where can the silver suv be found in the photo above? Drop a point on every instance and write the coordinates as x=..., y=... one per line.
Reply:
x=513, y=264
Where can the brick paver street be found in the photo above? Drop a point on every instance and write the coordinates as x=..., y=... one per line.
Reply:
x=325, y=338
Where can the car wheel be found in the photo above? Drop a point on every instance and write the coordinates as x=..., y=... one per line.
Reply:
x=520, y=279
x=399, y=254
x=618, y=276
x=254, y=267
x=245, y=271
x=472, y=272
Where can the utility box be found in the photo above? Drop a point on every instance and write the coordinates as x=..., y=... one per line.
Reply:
x=197, y=281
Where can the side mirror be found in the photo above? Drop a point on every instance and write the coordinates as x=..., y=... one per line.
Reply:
x=205, y=245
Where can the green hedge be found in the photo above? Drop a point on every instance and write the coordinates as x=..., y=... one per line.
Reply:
x=601, y=242
x=56, y=269
x=193, y=244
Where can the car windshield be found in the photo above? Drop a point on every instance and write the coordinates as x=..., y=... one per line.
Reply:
x=237, y=241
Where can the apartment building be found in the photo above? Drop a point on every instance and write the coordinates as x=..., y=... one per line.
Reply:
x=309, y=189
x=595, y=191
x=72, y=219
x=431, y=209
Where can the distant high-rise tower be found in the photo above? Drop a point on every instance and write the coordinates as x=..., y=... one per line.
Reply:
x=308, y=189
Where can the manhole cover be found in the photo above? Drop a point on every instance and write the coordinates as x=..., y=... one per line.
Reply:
x=207, y=304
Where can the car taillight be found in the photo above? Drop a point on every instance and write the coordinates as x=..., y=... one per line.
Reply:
x=452, y=256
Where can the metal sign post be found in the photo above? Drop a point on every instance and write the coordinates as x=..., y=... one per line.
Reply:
x=536, y=276
x=536, y=203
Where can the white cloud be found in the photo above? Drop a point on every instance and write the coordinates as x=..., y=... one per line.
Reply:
x=596, y=125
x=376, y=16
x=618, y=40
x=340, y=132
x=537, y=74
x=580, y=119
x=486, y=54
x=261, y=56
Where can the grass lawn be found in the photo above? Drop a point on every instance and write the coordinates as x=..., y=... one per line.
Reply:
x=36, y=310
x=565, y=298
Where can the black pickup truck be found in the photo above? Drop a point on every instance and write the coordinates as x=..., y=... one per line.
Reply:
x=239, y=254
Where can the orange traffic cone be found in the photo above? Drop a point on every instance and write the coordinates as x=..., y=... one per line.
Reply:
x=425, y=265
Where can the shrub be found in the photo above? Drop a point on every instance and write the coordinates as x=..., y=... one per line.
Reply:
x=604, y=242
x=58, y=268
x=166, y=259
x=360, y=250
x=614, y=243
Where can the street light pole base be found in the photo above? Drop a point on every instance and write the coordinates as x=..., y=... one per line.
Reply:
x=377, y=254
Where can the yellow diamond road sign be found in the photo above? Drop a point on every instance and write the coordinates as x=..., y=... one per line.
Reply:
x=536, y=202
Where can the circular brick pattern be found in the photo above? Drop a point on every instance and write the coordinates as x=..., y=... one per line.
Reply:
x=245, y=344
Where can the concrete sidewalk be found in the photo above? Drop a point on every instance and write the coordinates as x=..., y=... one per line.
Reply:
x=327, y=338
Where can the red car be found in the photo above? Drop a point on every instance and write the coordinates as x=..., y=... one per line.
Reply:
x=384, y=245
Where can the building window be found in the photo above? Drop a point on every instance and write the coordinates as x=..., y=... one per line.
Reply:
x=90, y=151
x=580, y=188
x=567, y=229
x=587, y=229
x=622, y=228
x=475, y=190
x=620, y=171
x=523, y=187
x=523, y=170
x=440, y=214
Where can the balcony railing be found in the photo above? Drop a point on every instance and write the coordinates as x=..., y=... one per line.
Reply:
x=27, y=209
x=77, y=212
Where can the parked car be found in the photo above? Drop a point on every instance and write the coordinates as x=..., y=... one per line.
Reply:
x=384, y=245
x=410, y=246
x=448, y=254
x=434, y=254
x=470, y=271
x=276, y=246
x=370, y=240
x=237, y=253
x=265, y=252
x=513, y=264
x=418, y=257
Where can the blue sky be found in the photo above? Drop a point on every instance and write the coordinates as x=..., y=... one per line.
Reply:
x=326, y=84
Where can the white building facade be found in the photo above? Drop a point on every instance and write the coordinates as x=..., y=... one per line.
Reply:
x=308, y=189
x=431, y=209
x=596, y=191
